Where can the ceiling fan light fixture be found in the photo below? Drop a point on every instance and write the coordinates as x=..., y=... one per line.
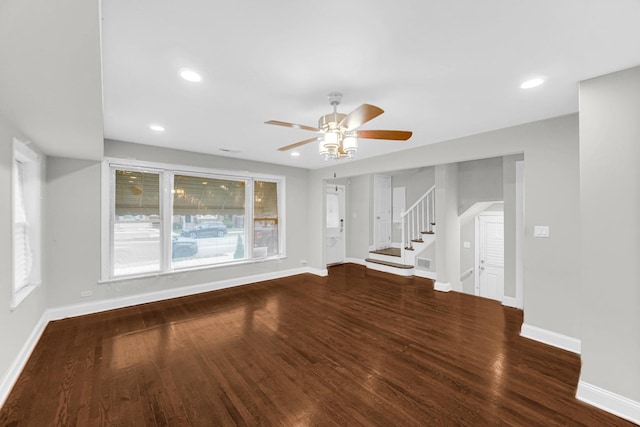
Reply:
x=332, y=139
x=350, y=145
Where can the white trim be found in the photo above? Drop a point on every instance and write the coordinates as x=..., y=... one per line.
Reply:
x=426, y=274
x=608, y=401
x=128, y=301
x=519, y=234
x=441, y=286
x=129, y=162
x=322, y=272
x=510, y=302
x=166, y=172
x=551, y=338
x=358, y=261
x=11, y=376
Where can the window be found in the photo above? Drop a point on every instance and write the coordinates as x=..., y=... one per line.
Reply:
x=164, y=218
x=26, y=189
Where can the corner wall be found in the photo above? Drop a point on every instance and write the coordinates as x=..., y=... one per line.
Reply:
x=20, y=326
x=610, y=238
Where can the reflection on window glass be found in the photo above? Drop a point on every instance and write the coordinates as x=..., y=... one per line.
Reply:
x=208, y=221
x=136, y=223
x=265, y=218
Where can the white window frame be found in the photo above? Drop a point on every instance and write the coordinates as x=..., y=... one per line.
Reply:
x=167, y=172
x=30, y=182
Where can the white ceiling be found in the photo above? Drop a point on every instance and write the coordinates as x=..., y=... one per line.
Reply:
x=442, y=69
x=50, y=75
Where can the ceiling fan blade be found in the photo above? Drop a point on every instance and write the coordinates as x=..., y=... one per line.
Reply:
x=360, y=116
x=298, y=144
x=393, y=135
x=292, y=125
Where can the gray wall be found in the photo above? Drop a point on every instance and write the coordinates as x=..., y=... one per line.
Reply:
x=550, y=147
x=610, y=209
x=15, y=326
x=73, y=221
x=479, y=181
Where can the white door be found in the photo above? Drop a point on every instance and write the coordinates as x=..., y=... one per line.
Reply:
x=382, y=211
x=334, y=239
x=490, y=263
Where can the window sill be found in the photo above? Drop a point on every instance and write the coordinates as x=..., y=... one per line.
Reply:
x=21, y=295
x=189, y=270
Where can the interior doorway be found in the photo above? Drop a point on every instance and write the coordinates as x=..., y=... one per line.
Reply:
x=490, y=255
x=335, y=225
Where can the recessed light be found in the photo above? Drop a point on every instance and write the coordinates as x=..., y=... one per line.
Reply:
x=156, y=127
x=295, y=154
x=529, y=84
x=190, y=75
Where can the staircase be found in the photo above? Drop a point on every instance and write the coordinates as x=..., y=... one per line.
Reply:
x=417, y=232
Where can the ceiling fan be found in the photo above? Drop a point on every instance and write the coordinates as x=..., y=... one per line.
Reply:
x=339, y=134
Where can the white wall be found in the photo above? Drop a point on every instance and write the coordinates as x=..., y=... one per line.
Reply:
x=550, y=147
x=610, y=214
x=15, y=326
x=73, y=221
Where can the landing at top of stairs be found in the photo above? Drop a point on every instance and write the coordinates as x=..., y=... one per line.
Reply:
x=388, y=251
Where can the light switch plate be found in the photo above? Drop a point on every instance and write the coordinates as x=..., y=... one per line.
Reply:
x=467, y=245
x=541, y=231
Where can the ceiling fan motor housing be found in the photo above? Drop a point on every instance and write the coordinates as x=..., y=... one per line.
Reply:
x=330, y=121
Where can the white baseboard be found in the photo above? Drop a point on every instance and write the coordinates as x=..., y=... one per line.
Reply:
x=426, y=274
x=441, y=286
x=551, y=338
x=322, y=272
x=356, y=261
x=11, y=376
x=128, y=301
x=608, y=401
x=511, y=302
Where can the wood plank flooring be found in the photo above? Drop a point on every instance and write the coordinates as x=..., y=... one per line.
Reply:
x=358, y=347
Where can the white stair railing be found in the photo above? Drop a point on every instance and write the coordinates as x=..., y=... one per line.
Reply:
x=419, y=219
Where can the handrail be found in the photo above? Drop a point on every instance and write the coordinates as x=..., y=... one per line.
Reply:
x=406, y=212
x=466, y=274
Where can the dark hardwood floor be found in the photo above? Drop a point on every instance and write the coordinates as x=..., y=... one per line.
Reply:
x=356, y=348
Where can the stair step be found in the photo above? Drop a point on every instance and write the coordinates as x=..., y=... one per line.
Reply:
x=409, y=248
x=417, y=240
x=427, y=232
x=389, y=264
x=387, y=251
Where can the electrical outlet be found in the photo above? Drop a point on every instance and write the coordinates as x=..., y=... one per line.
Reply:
x=84, y=294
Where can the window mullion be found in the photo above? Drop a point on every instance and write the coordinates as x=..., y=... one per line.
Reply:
x=249, y=229
x=166, y=220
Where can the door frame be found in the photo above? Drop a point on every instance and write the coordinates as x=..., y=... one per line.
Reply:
x=476, y=261
x=343, y=201
x=375, y=236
